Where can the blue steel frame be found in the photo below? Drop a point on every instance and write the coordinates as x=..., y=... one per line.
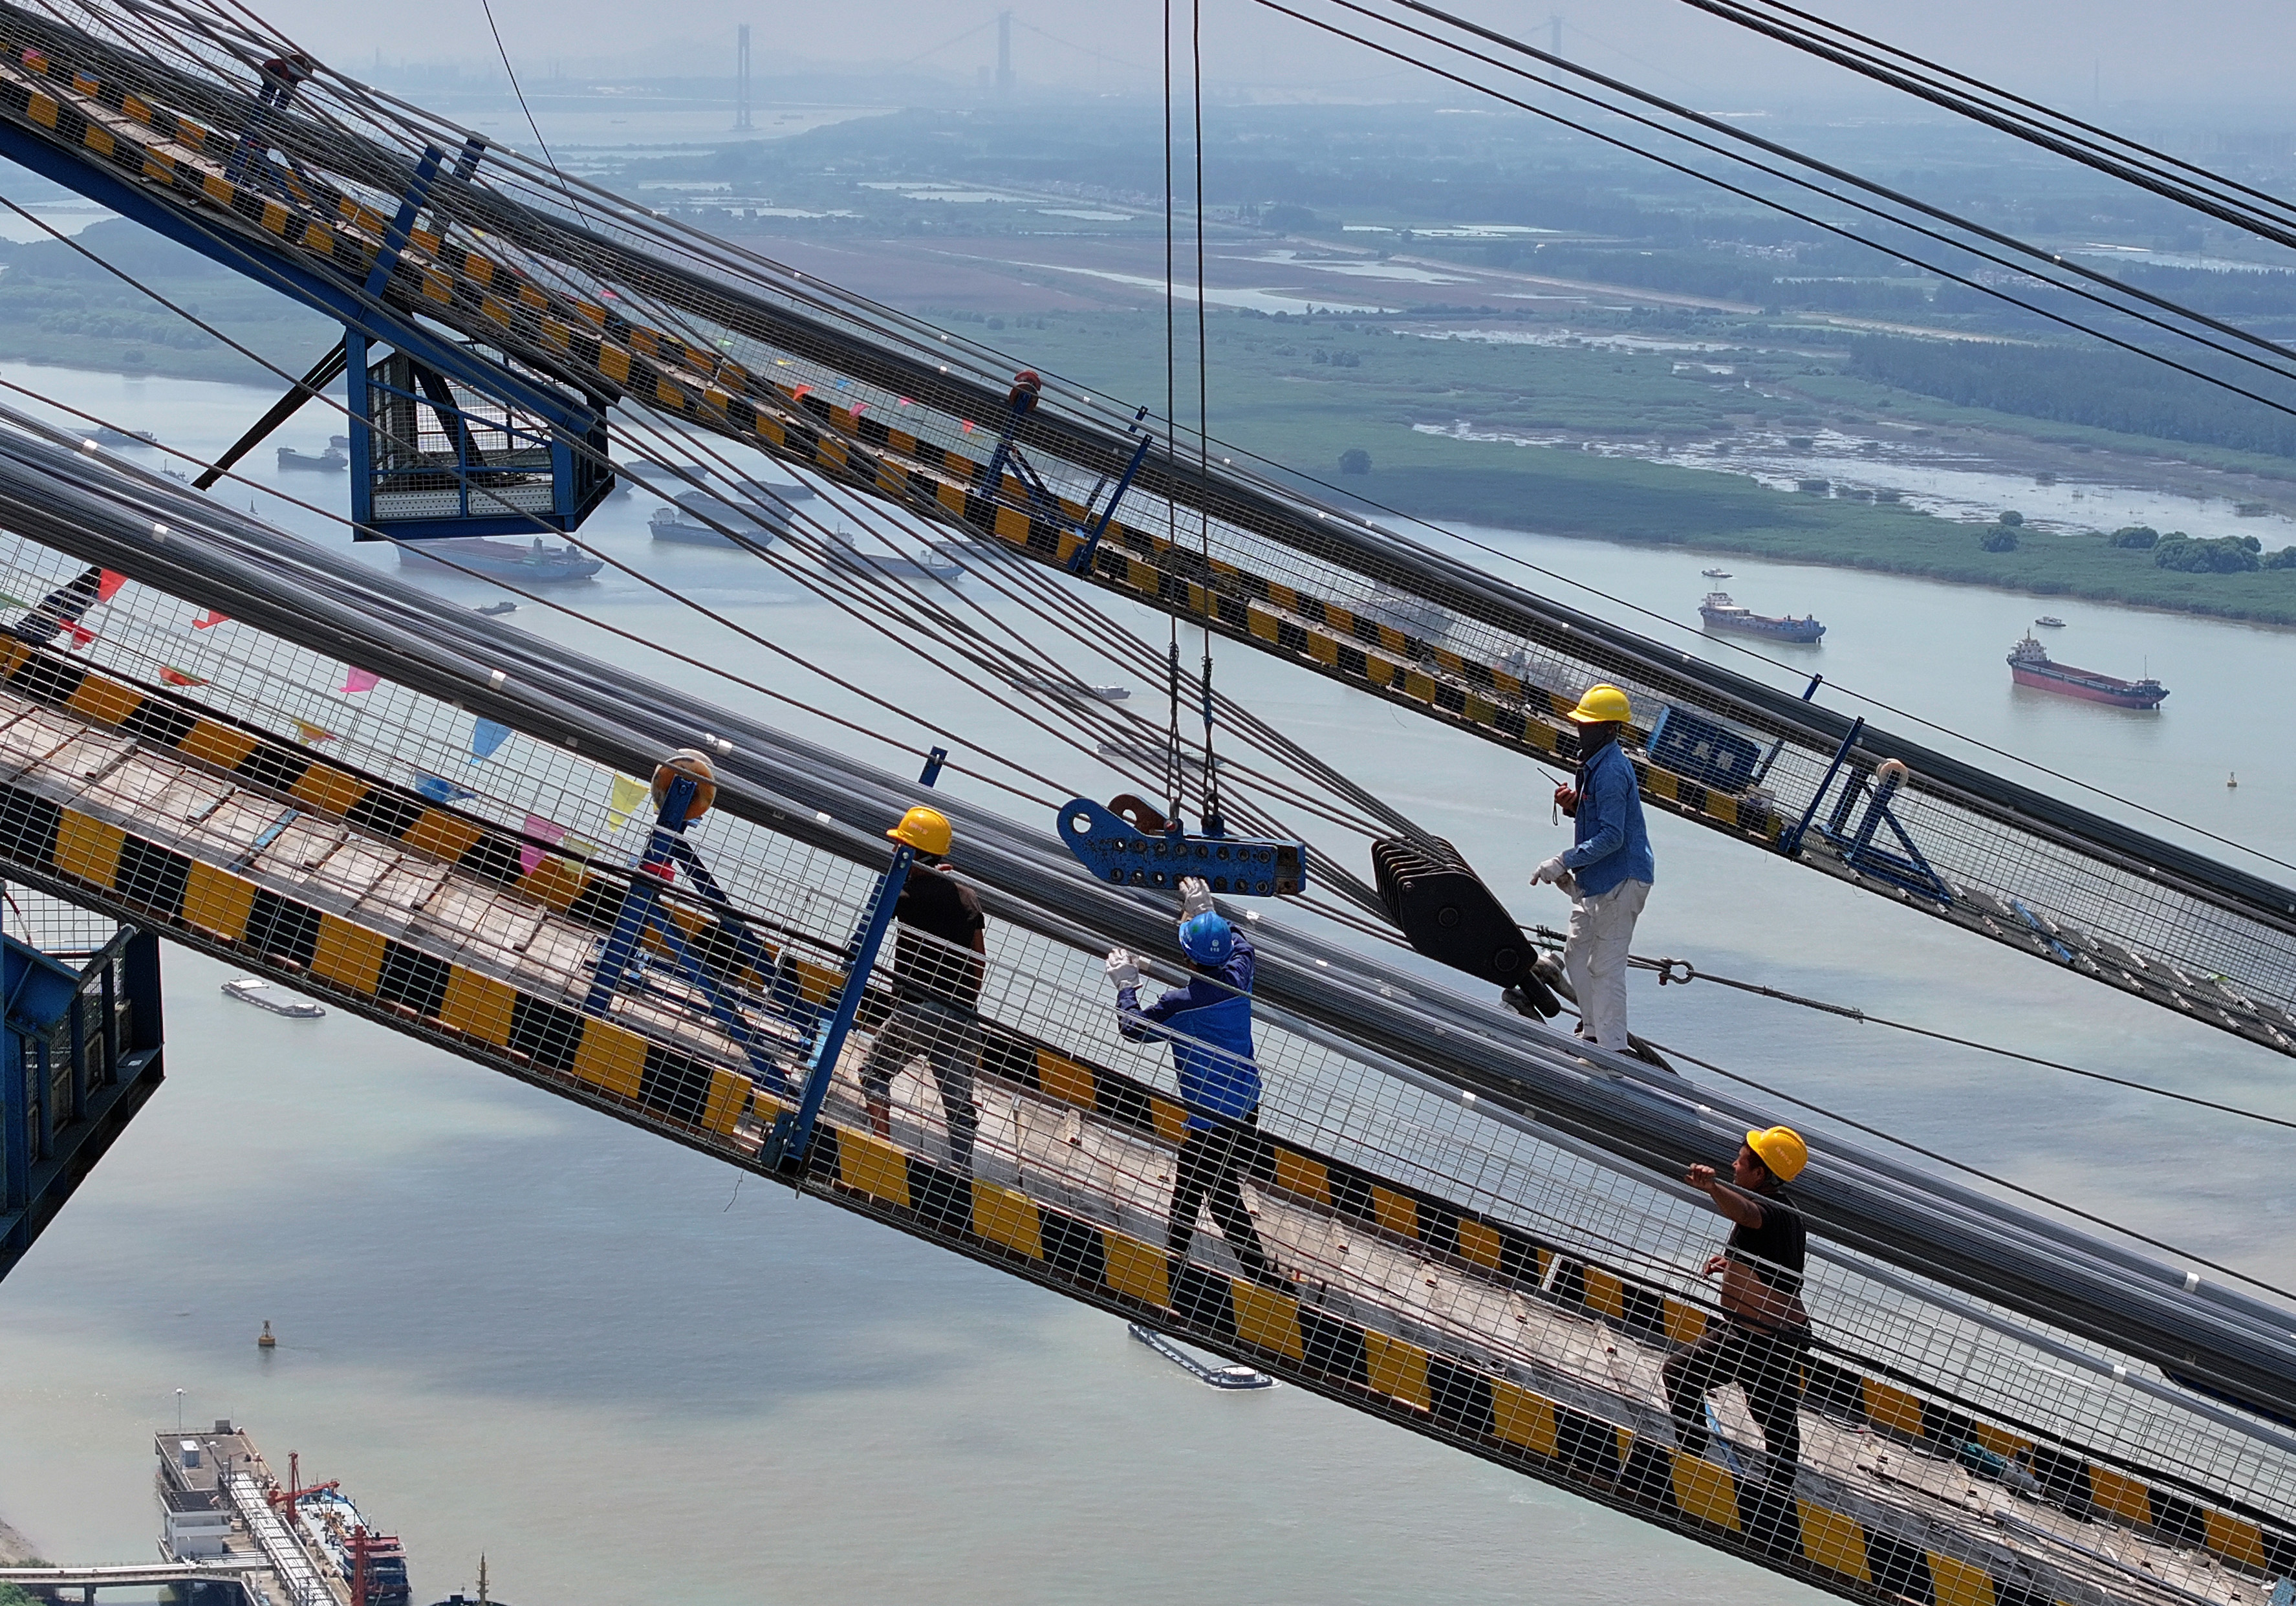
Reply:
x=1911, y=870
x=641, y=910
x=50, y=1140
x=358, y=308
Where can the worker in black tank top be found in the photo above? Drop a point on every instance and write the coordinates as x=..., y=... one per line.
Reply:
x=939, y=960
x=1758, y=1341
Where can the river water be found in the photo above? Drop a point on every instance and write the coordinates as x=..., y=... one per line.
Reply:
x=513, y=1327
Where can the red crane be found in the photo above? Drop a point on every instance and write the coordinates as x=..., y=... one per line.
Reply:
x=294, y=1491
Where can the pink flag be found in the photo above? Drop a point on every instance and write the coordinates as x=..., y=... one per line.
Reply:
x=530, y=853
x=108, y=584
x=361, y=680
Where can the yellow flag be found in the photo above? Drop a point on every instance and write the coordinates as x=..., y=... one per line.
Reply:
x=624, y=800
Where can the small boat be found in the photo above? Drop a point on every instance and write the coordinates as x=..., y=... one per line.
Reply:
x=495, y=611
x=105, y=435
x=1217, y=1376
x=1111, y=693
x=2029, y=665
x=503, y=559
x=332, y=461
x=263, y=996
x=2050, y=622
x=1716, y=574
x=1720, y=614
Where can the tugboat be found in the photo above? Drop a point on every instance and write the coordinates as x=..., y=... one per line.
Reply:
x=534, y=565
x=1720, y=614
x=2029, y=665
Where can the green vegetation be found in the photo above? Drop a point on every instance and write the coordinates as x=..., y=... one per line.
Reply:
x=57, y=307
x=2108, y=389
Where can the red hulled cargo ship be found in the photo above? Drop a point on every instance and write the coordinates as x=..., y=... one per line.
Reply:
x=2029, y=665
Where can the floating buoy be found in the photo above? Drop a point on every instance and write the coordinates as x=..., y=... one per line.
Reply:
x=267, y=1341
x=2231, y=779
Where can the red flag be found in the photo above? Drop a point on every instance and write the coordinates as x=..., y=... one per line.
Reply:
x=81, y=634
x=109, y=585
x=209, y=620
x=800, y=393
x=179, y=677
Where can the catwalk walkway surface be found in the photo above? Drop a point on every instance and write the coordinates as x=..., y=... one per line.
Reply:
x=410, y=229
x=1457, y=1266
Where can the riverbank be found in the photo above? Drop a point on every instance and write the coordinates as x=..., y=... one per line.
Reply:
x=15, y=1551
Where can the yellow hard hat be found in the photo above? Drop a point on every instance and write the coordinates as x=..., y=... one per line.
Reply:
x=1781, y=1150
x=1604, y=704
x=926, y=830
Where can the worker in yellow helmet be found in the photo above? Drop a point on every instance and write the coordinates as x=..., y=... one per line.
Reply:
x=1764, y=1328
x=938, y=967
x=1608, y=869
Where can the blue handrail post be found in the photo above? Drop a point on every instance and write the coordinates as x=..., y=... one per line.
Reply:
x=785, y=1145
x=1789, y=844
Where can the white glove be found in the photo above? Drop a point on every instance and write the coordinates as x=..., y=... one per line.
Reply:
x=1551, y=871
x=1123, y=969
x=1195, y=896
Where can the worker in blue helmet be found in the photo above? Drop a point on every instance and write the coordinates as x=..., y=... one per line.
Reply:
x=1209, y=1024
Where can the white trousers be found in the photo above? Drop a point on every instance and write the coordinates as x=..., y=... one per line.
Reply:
x=1602, y=931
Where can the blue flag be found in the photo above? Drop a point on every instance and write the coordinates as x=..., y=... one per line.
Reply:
x=484, y=737
x=440, y=790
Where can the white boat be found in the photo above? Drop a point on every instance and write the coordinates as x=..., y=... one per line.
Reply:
x=1214, y=1377
x=1716, y=574
x=263, y=996
x=2050, y=622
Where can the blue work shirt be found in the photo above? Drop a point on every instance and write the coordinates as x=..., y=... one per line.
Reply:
x=1213, y=1058
x=1611, y=844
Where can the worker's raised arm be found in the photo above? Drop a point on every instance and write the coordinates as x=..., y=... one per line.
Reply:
x=1731, y=1201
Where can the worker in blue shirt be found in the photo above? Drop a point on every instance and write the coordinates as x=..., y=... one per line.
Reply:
x=1608, y=870
x=1209, y=1024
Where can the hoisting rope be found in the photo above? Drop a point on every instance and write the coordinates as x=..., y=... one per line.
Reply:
x=1173, y=769
x=1681, y=972
x=1214, y=822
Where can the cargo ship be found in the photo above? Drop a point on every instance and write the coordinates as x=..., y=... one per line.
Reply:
x=503, y=560
x=1720, y=614
x=682, y=522
x=2029, y=665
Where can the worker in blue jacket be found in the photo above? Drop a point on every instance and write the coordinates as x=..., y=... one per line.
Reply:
x=1608, y=870
x=1209, y=1024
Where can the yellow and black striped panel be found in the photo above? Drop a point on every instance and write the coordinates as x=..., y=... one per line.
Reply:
x=708, y=389
x=157, y=886
x=1495, y=1416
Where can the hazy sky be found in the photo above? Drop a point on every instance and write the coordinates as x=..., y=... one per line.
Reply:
x=2234, y=54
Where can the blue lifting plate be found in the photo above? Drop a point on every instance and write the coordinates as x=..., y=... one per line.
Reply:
x=1117, y=852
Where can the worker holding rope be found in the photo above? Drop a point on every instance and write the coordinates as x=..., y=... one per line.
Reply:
x=1209, y=1024
x=1764, y=1328
x=936, y=987
x=1608, y=870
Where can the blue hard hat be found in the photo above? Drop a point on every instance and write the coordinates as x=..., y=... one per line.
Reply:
x=1207, y=938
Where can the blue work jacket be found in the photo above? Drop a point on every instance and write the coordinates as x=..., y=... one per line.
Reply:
x=1611, y=844
x=1209, y=1024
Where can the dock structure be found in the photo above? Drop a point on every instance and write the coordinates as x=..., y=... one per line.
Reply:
x=1478, y=1243
x=217, y=1516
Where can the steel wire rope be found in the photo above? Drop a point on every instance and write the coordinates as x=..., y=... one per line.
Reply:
x=2015, y=756
x=1981, y=1174
x=1172, y=773
x=1840, y=231
x=1360, y=895
x=1681, y=972
x=595, y=622
x=1841, y=174
x=1212, y=814
x=502, y=50
x=226, y=515
x=2010, y=122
